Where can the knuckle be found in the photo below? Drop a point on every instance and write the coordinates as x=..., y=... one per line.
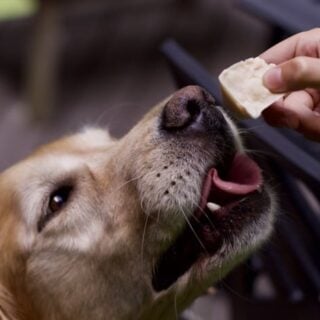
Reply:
x=310, y=48
x=310, y=33
x=299, y=67
x=316, y=30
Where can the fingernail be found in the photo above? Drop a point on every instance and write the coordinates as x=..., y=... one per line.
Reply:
x=273, y=79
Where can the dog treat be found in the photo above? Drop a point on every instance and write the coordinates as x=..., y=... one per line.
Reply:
x=243, y=90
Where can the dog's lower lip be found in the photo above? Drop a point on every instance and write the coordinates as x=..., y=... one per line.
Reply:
x=202, y=240
x=205, y=238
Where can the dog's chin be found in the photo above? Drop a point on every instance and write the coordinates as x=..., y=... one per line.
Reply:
x=232, y=217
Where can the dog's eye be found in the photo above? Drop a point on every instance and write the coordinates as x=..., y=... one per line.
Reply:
x=57, y=201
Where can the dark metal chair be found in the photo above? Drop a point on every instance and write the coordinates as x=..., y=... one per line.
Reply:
x=290, y=15
x=291, y=262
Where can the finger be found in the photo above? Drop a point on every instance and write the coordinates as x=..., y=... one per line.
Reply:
x=282, y=51
x=297, y=112
x=274, y=114
x=315, y=95
x=301, y=104
x=310, y=125
x=279, y=116
x=295, y=74
x=287, y=112
x=296, y=45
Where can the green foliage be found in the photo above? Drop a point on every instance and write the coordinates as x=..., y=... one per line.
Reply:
x=10, y=9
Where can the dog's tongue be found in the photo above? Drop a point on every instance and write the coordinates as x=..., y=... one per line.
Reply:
x=244, y=177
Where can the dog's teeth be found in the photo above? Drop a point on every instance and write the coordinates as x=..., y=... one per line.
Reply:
x=213, y=206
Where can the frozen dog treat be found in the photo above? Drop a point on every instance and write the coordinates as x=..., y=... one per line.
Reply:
x=243, y=90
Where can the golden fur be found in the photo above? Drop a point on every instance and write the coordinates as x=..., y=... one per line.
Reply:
x=94, y=259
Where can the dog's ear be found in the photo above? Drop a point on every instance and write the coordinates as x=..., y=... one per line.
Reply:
x=8, y=308
x=10, y=262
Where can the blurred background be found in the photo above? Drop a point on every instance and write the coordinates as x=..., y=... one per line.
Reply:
x=65, y=64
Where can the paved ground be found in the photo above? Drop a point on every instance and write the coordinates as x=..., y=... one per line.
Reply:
x=127, y=85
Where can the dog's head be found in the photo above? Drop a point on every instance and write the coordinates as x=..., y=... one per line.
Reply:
x=96, y=228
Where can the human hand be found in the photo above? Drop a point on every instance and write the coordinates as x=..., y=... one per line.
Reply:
x=297, y=72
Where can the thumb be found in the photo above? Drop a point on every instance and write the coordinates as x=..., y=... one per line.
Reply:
x=295, y=74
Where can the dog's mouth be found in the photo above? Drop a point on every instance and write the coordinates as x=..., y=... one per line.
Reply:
x=221, y=195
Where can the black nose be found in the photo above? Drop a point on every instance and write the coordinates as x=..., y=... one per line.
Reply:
x=185, y=107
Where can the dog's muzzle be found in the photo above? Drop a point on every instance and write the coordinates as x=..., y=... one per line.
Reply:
x=229, y=190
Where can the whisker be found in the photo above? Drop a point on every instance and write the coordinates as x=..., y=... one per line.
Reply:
x=233, y=291
x=205, y=215
x=192, y=229
x=130, y=180
x=127, y=182
x=143, y=237
x=101, y=116
x=175, y=305
x=158, y=216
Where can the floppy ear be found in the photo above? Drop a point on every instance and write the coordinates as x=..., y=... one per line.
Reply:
x=8, y=309
x=10, y=261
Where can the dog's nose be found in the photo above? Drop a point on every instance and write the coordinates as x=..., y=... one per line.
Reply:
x=185, y=106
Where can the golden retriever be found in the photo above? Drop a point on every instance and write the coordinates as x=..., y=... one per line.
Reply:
x=97, y=228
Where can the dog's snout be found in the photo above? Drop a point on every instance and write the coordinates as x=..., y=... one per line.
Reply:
x=185, y=107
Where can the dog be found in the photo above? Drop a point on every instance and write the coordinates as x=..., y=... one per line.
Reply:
x=97, y=228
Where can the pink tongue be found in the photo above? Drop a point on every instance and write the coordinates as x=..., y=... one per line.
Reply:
x=244, y=177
